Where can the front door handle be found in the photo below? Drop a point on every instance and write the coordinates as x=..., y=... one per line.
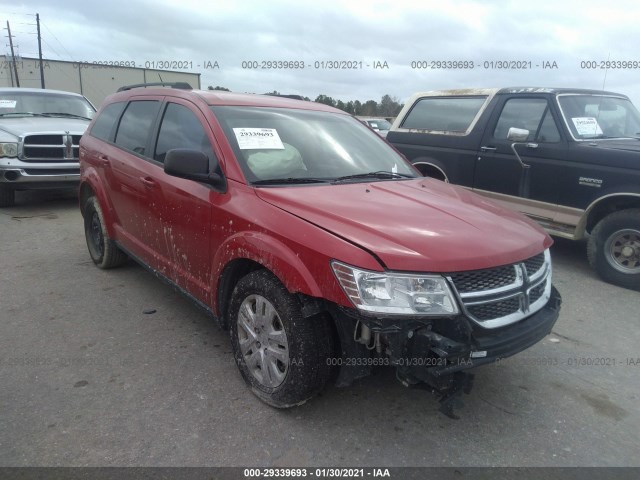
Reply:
x=147, y=182
x=488, y=149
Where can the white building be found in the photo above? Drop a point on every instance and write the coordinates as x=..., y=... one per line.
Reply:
x=92, y=80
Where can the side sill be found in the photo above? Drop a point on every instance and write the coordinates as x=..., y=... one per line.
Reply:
x=171, y=283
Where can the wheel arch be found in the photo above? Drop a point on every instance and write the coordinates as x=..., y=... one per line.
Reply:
x=602, y=207
x=431, y=168
x=247, y=252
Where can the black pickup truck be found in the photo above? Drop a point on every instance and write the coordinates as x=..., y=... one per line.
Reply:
x=568, y=158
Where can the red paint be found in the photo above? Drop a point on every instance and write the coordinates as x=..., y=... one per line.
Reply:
x=189, y=232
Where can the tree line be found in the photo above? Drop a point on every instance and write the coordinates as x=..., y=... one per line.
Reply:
x=387, y=107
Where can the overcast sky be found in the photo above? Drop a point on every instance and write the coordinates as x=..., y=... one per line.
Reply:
x=558, y=34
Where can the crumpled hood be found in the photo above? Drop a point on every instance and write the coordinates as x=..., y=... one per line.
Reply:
x=18, y=126
x=415, y=225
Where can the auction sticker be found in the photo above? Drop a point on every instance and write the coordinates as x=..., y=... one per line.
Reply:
x=8, y=103
x=258, y=138
x=587, y=126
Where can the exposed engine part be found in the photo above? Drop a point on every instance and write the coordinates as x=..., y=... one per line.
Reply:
x=449, y=390
x=365, y=337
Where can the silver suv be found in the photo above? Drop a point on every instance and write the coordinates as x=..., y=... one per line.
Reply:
x=40, y=133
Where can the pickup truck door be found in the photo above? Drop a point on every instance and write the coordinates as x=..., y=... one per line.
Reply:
x=499, y=174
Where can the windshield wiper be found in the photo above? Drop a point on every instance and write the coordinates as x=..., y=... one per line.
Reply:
x=288, y=181
x=21, y=113
x=380, y=175
x=64, y=114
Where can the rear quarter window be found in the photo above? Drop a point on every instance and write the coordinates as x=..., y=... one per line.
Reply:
x=104, y=126
x=444, y=113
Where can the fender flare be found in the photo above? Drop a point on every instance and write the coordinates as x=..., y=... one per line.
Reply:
x=272, y=254
x=431, y=163
x=91, y=179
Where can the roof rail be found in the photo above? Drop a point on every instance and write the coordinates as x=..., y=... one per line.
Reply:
x=178, y=85
x=294, y=97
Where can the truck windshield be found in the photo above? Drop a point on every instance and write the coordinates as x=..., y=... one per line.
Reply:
x=288, y=144
x=600, y=116
x=44, y=103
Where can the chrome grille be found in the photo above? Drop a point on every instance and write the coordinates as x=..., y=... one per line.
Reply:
x=51, y=147
x=480, y=280
x=489, y=311
x=534, y=264
x=504, y=295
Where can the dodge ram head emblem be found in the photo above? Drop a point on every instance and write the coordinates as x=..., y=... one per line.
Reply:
x=68, y=144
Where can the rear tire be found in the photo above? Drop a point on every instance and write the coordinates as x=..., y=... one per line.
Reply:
x=102, y=249
x=613, y=248
x=7, y=197
x=283, y=357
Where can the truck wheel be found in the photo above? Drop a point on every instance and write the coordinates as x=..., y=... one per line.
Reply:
x=7, y=197
x=103, y=250
x=283, y=357
x=614, y=248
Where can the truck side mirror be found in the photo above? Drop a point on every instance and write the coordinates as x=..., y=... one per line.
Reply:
x=518, y=134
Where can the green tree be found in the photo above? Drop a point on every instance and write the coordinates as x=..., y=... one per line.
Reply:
x=325, y=100
x=370, y=108
x=218, y=88
x=357, y=108
x=389, y=106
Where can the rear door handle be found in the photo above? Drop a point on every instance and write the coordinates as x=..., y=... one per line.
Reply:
x=147, y=182
x=488, y=149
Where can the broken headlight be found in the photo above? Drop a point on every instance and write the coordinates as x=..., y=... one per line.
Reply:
x=396, y=293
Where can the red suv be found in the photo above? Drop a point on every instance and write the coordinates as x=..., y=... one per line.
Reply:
x=318, y=246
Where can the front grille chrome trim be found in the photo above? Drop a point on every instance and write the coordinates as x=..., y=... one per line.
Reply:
x=521, y=288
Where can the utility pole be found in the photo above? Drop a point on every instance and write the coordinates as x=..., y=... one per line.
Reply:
x=13, y=56
x=40, y=51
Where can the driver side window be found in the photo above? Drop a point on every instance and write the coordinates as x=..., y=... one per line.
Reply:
x=181, y=128
x=532, y=114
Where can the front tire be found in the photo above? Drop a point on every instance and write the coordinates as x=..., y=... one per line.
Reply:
x=102, y=249
x=614, y=248
x=283, y=357
x=7, y=197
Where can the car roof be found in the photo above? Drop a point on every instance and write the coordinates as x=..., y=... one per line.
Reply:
x=38, y=90
x=512, y=90
x=221, y=98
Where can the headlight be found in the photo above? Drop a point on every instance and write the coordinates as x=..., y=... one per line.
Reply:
x=396, y=293
x=8, y=149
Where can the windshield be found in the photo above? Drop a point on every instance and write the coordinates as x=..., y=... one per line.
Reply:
x=19, y=103
x=379, y=124
x=279, y=143
x=599, y=116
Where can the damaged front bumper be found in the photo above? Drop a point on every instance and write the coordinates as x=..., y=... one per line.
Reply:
x=433, y=350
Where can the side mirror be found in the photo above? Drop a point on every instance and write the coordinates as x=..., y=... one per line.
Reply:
x=517, y=134
x=192, y=165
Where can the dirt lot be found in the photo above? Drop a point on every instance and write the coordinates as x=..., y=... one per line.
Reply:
x=88, y=379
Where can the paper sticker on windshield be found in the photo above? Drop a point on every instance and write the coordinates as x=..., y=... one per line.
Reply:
x=8, y=103
x=587, y=126
x=258, y=138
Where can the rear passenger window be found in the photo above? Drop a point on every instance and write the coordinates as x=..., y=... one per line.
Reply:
x=135, y=126
x=104, y=124
x=181, y=128
x=444, y=114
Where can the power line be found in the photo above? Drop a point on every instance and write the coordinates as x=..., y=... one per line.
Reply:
x=53, y=35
